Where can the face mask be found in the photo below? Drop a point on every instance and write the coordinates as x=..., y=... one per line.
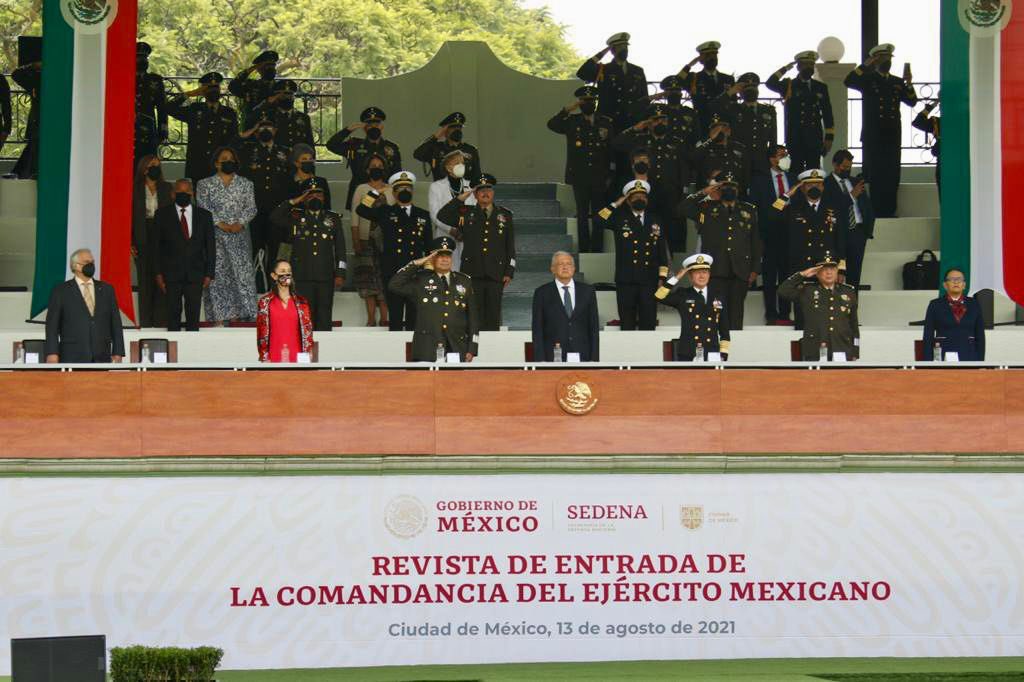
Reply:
x=307, y=167
x=455, y=135
x=314, y=204
x=711, y=63
x=404, y=196
x=373, y=134
x=814, y=193
x=806, y=72
x=885, y=66
x=844, y=174
x=154, y=173
x=213, y=95
x=142, y=64
x=638, y=205
x=458, y=170
x=750, y=95
x=641, y=167
x=376, y=173
x=622, y=54
x=228, y=167
x=661, y=129
x=286, y=103
x=674, y=99
x=183, y=199
x=784, y=164
x=265, y=135
x=269, y=73
x=89, y=269
x=728, y=194
x=284, y=280
x=588, y=107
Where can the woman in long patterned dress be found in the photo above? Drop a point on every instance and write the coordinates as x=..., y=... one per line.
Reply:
x=365, y=244
x=230, y=197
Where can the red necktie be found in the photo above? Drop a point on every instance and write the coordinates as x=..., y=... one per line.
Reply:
x=184, y=225
x=782, y=188
x=959, y=309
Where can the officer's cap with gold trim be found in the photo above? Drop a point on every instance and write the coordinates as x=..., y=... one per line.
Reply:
x=884, y=48
x=313, y=184
x=402, y=178
x=285, y=85
x=443, y=245
x=486, y=181
x=672, y=82
x=726, y=178
x=618, y=39
x=699, y=261
x=634, y=187
x=750, y=78
x=719, y=120
x=456, y=118
x=812, y=175
x=372, y=115
x=266, y=57
x=143, y=49
x=709, y=46
x=586, y=92
x=806, y=56
x=828, y=260
x=213, y=78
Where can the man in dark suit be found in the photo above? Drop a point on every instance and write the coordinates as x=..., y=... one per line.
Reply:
x=955, y=322
x=765, y=190
x=83, y=322
x=565, y=312
x=853, y=208
x=188, y=256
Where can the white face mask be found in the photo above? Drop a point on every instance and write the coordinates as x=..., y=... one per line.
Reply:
x=458, y=170
x=784, y=164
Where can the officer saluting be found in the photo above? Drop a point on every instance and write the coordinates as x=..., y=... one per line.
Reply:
x=811, y=226
x=357, y=150
x=446, y=317
x=753, y=123
x=211, y=125
x=702, y=316
x=489, y=247
x=809, y=123
x=707, y=84
x=318, y=249
x=254, y=93
x=619, y=83
x=405, y=235
x=720, y=152
x=447, y=139
x=150, y=105
x=829, y=310
x=293, y=126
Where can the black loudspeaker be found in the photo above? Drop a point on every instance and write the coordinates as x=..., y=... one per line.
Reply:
x=30, y=50
x=59, y=659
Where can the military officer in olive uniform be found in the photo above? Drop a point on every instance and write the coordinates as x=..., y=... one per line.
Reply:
x=447, y=139
x=489, y=247
x=669, y=171
x=357, y=150
x=254, y=93
x=150, y=105
x=641, y=255
x=266, y=164
x=293, y=126
x=446, y=316
x=587, y=161
x=619, y=83
x=721, y=153
x=829, y=308
x=702, y=316
x=882, y=130
x=728, y=232
x=405, y=234
x=753, y=123
x=810, y=127
x=318, y=249
x=705, y=85
x=211, y=125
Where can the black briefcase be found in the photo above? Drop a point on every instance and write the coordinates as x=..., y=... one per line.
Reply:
x=922, y=272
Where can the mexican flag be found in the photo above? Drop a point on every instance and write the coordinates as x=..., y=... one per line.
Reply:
x=983, y=143
x=86, y=143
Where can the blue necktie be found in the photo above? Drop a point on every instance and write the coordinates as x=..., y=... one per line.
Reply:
x=566, y=300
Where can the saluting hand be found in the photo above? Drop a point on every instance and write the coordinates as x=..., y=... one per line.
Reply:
x=441, y=134
x=810, y=272
x=793, y=190
x=465, y=195
x=420, y=262
x=339, y=282
x=353, y=127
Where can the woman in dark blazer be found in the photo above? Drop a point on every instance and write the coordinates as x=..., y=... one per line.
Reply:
x=150, y=192
x=955, y=321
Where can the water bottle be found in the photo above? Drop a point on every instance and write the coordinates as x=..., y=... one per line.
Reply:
x=937, y=352
x=698, y=353
x=440, y=352
x=286, y=353
x=823, y=352
x=144, y=355
x=558, y=352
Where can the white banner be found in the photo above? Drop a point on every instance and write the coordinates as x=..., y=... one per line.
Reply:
x=330, y=571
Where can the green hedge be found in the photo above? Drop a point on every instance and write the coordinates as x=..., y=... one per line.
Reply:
x=163, y=664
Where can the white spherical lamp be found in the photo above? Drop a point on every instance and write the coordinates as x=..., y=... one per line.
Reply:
x=831, y=49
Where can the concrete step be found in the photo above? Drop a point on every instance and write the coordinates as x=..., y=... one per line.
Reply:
x=548, y=225
x=906, y=234
x=17, y=198
x=512, y=191
x=531, y=208
x=545, y=244
x=917, y=199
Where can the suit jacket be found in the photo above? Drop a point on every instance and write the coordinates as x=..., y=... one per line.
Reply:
x=181, y=260
x=763, y=193
x=74, y=334
x=164, y=197
x=966, y=338
x=836, y=197
x=576, y=334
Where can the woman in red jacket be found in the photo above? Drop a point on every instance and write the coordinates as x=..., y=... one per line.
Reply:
x=283, y=325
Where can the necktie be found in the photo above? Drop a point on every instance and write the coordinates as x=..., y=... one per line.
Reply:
x=444, y=282
x=90, y=298
x=184, y=225
x=703, y=294
x=566, y=300
x=782, y=187
x=851, y=217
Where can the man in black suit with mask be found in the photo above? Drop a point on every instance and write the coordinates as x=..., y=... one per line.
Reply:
x=188, y=256
x=83, y=321
x=565, y=312
x=853, y=211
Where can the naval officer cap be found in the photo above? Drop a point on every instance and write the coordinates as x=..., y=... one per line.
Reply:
x=812, y=175
x=806, y=56
x=635, y=187
x=884, y=48
x=672, y=82
x=618, y=39
x=586, y=92
x=402, y=178
x=709, y=46
x=698, y=261
x=266, y=57
x=486, y=181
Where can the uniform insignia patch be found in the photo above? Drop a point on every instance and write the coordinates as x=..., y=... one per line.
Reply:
x=461, y=289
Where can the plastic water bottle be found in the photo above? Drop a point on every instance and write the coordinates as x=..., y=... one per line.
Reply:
x=440, y=352
x=144, y=354
x=286, y=353
x=937, y=352
x=823, y=352
x=558, y=352
x=698, y=353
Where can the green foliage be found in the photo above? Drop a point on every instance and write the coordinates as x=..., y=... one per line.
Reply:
x=163, y=664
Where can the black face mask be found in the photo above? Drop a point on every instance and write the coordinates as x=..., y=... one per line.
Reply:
x=455, y=135
x=89, y=269
x=711, y=63
x=661, y=129
x=373, y=134
x=265, y=135
x=675, y=99
x=885, y=66
x=750, y=95
x=806, y=73
x=182, y=199
x=641, y=167
x=315, y=204
x=142, y=64
x=844, y=174
x=728, y=194
x=814, y=193
x=286, y=103
x=213, y=95
x=269, y=73
x=307, y=167
x=376, y=173
x=588, y=108
x=404, y=196
x=638, y=205
x=154, y=173
x=228, y=167
x=622, y=54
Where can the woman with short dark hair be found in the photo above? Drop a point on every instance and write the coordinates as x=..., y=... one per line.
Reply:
x=954, y=322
